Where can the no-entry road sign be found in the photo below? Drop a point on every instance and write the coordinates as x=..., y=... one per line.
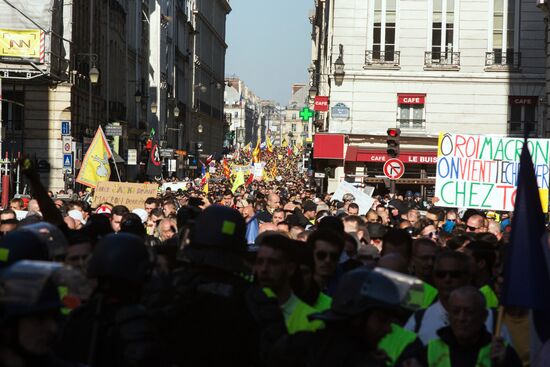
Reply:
x=394, y=168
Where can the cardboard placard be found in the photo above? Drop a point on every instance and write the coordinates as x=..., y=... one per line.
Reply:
x=131, y=195
x=361, y=199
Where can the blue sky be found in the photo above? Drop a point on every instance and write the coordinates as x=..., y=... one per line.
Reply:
x=269, y=45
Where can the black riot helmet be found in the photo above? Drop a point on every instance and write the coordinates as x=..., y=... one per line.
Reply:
x=363, y=289
x=121, y=256
x=22, y=245
x=27, y=288
x=219, y=239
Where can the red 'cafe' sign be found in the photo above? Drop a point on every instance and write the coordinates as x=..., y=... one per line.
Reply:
x=411, y=98
x=523, y=100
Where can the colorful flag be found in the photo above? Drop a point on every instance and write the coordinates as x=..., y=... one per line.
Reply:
x=205, y=186
x=256, y=153
x=526, y=278
x=249, y=180
x=269, y=145
x=239, y=181
x=226, y=169
x=203, y=174
x=95, y=166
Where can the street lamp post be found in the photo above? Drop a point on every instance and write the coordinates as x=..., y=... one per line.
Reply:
x=339, y=65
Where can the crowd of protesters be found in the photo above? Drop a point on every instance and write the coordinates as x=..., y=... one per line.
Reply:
x=273, y=274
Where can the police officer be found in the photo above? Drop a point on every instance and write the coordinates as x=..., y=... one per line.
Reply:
x=113, y=329
x=218, y=316
x=30, y=306
x=363, y=309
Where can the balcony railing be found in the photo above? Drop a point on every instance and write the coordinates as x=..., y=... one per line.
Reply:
x=438, y=60
x=382, y=59
x=502, y=60
x=411, y=124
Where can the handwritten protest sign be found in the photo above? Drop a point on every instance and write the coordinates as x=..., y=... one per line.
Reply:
x=131, y=195
x=361, y=199
x=174, y=186
x=482, y=172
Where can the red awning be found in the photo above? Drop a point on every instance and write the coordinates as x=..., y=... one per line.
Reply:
x=357, y=154
x=328, y=146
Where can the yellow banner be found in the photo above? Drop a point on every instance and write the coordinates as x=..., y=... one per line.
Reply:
x=21, y=44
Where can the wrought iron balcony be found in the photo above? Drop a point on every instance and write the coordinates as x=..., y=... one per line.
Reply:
x=414, y=124
x=442, y=60
x=382, y=59
x=497, y=59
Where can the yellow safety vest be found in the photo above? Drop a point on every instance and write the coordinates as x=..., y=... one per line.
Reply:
x=299, y=321
x=323, y=302
x=490, y=297
x=430, y=294
x=395, y=342
x=439, y=355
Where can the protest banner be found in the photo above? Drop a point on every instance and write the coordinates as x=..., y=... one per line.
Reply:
x=361, y=199
x=131, y=195
x=481, y=172
x=174, y=186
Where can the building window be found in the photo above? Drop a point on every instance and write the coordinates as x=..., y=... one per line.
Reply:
x=237, y=114
x=293, y=128
x=444, y=35
x=411, y=113
x=503, y=42
x=523, y=115
x=382, y=38
x=12, y=110
x=294, y=116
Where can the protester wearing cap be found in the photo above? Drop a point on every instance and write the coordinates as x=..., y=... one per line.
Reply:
x=376, y=233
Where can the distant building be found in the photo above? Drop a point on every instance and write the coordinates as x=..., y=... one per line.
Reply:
x=242, y=111
x=295, y=130
x=424, y=66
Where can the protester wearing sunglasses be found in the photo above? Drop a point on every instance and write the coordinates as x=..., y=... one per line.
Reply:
x=451, y=271
x=327, y=248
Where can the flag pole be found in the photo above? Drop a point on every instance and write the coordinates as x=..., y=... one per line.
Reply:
x=116, y=168
x=110, y=151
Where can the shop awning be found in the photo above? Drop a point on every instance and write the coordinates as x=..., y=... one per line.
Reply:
x=358, y=154
x=328, y=146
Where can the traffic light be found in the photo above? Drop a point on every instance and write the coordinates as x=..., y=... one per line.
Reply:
x=392, y=141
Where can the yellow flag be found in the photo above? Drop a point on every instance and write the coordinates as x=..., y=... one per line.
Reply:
x=256, y=152
x=95, y=166
x=239, y=180
x=205, y=187
x=284, y=144
x=247, y=147
x=269, y=145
